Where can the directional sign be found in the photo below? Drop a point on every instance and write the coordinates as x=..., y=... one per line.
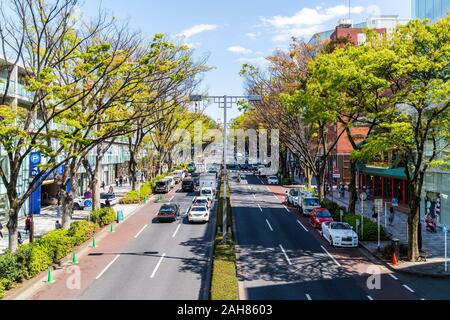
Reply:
x=379, y=205
x=34, y=172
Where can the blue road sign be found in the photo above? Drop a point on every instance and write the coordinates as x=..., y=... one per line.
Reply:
x=394, y=202
x=35, y=158
x=88, y=203
x=34, y=171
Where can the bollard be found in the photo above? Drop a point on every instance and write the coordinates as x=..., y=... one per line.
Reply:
x=50, y=279
x=94, y=243
x=74, y=258
x=111, y=228
x=145, y=200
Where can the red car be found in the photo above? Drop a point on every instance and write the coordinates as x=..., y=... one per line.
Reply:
x=319, y=216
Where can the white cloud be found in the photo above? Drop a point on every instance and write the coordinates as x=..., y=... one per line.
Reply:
x=253, y=35
x=197, y=29
x=305, y=22
x=239, y=50
x=261, y=61
x=373, y=10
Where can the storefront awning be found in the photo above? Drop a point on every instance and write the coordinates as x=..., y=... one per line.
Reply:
x=397, y=173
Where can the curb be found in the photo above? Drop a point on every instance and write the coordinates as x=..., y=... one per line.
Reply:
x=206, y=290
x=408, y=272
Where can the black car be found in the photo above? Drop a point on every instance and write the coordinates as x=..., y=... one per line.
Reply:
x=169, y=212
x=188, y=185
x=196, y=178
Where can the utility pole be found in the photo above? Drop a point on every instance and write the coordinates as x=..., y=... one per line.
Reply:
x=227, y=102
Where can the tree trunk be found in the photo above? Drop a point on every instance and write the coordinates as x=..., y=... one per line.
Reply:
x=353, y=194
x=413, y=224
x=95, y=187
x=12, y=226
x=132, y=168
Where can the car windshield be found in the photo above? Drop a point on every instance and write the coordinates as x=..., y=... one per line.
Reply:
x=188, y=182
x=206, y=191
x=198, y=209
x=160, y=183
x=167, y=209
x=273, y=178
x=324, y=214
x=311, y=202
x=107, y=196
x=294, y=193
x=341, y=226
x=201, y=201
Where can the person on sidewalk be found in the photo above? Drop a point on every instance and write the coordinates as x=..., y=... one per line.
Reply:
x=19, y=237
x=391, y=215
x=103, y=185
x=58, y=225
x=374, y=213
x=28, y=224
x=117, y=182
x=1, y=228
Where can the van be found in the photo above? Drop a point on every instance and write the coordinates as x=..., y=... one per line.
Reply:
x=172, y=182
x=162, y=186
x=178, y=175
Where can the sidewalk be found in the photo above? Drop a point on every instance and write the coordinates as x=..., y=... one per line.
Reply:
x=432, y=243
x=45, y=222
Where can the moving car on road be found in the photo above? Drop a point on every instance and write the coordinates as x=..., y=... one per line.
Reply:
x=319, y=216
x=307, y=204
x=169, y=212
x=272, y=180
x=196, y=178
x=293, y=197
x=198, y=214
x=339, y=234
x=188, y=185
x=207, y=192
x=172, y=182
x=201, y=201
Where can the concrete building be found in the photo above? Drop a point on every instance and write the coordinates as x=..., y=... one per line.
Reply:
x=430, y=9
x=114, y=164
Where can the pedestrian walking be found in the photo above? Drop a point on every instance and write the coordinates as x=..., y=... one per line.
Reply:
x=1, y=228
x=391, y=215
x=103, y=185
x=19, y=238
x=117, y=182
x=374, y=213
x=28, y=224
x=58, y=197
x=121, y=181
x=111, y=190
x=58, y=225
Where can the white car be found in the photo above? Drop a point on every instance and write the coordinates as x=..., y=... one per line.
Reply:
x=293, y=197
x=207, y=192
x=307, y=204
x=178, y=175
x=198, y=214
x=201, y=201
x=339, y=234
x=272, y=180
x=171, y=180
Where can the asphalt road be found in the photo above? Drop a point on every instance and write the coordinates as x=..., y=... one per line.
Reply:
x=281, y=257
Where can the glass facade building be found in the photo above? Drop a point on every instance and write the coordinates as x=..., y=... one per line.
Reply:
x=430, y=9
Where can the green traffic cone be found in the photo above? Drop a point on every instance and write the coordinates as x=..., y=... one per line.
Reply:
x=111, y=228
x=94, y=243
x=74, y=258
x=145, y=199
x=50, y=279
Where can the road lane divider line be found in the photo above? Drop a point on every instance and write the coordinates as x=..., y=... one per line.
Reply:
x=308, y=297
x=408, y=288
x=254, y=197
x=170, y=200
x=140, y=231
x=276, y=197
x=175, y=233
x=107, y=267
x=270, y=227
x=370, y=298
x=287, y=209
x=157, y=266
x=260, y=208
x=285, y=254
x=329, y=254
x=301, y=224
x=392, y=276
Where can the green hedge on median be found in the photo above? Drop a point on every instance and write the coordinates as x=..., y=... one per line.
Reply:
x=103, y=216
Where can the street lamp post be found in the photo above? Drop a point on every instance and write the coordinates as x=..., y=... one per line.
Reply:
x=227, y=102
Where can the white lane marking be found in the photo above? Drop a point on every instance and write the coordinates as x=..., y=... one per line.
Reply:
x=107, y=267
x=335, y=261
x=370, y=298
x=287, y=209
x=276, y=197
x=408, y=288
x=302, y=225
x=138, y=234
x=175, y=233
x=260, y=208
x=285, y=254
x=254, y=197
x=308, y=297
x=392, y=276
x=268, y=223
x=157, y=266
x=170, y=200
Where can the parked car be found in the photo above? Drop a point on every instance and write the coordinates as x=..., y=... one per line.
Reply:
x=78, y=203
x=293, y=197
x=307, y=204
x=178, y=176
x=339, y=234
x=188, y=185
x=319, y=216
x=168, y=212
x=198, y=214
x=207, y=192
x=272, y=180
x=162, y=186
x=172, y=182
x=108, y=196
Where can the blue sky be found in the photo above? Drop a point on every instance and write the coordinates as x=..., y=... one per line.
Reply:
x=233, y=32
